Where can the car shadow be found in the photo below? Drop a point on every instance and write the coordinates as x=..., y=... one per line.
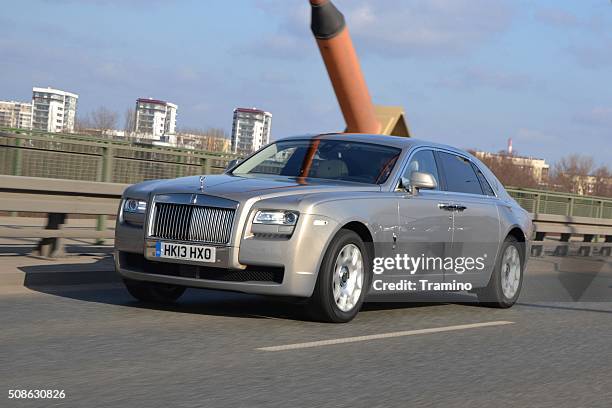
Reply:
x=98, y=282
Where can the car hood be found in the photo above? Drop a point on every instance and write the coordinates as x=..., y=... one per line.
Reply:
x=241, y=188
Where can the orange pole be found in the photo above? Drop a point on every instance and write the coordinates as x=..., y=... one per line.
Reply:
x=340, y=58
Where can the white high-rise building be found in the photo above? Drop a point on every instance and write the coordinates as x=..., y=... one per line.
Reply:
x=250, y=130
x=53, y=110
x=16, y=114
x=155, y=119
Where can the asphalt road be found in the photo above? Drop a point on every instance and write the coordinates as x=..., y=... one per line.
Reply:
x=213, y=349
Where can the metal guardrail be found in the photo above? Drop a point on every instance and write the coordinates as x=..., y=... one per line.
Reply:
x=567, y=215
x=35, y=154
x=58, y=198
x=569, y=205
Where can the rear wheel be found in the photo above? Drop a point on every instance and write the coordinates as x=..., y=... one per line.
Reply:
x=507, y=279
x=153, y=292
x=342, y=281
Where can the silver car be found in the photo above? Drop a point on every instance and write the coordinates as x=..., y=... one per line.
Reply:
x=307, y=217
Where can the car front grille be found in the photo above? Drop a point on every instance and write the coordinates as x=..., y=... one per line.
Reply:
x=184, y=222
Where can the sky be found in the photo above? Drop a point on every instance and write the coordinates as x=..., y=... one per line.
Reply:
x=470, y=73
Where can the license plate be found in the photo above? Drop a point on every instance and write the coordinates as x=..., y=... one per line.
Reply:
x=185, y=252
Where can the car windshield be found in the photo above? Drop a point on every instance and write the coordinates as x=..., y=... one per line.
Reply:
x=325, y=159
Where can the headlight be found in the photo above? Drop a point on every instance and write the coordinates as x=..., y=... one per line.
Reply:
x=135, y=206
x=276, y=217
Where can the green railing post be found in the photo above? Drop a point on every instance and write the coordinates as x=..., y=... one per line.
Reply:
x=18, y=161
x=181, y=166
x=105, y=174
x=17, y=165
x=206, y=165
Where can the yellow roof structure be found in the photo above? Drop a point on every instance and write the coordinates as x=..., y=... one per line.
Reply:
x=393, y=120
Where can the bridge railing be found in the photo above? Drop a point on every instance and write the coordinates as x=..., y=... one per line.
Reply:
x=35, y=154
x=569, y=205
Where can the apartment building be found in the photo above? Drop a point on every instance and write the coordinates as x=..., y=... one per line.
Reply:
x=155, y=120
x=16, y=114
x=250, y=130
x=53, y=110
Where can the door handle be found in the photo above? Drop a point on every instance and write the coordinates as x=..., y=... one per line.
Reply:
x=446, y=206
x=451, y=207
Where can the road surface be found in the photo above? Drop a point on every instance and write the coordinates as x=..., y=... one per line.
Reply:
x=218, y=349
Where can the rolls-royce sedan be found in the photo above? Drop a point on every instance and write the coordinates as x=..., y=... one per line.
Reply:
x=307, y=217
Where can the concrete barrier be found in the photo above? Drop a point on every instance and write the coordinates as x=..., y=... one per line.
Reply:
x=58, y=198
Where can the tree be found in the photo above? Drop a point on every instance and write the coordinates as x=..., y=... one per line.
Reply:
x=211, y=139
x=103, y=119
x=603, y=181
x=570, y=173
x=129, y=121
x=82, y=123
x=507, y=170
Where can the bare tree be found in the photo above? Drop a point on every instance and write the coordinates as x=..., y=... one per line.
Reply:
x=603, y=181
x=129, y=121
x=569, y=173
x=103, y=119
x=210, y=139
x=82, y=123
x=508, y=171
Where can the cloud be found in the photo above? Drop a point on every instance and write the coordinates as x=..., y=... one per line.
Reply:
x=480, y=78
x=185, y=73
x=396, y=28
x=563, y=19
x=112, y=3
x=596, y=117
x=279, y=46
x=533, y=135
x=427, y=28
x=590, y=43
x=556, y=17
x=592, y=56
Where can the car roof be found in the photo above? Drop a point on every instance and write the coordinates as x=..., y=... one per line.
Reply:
x=393, y=141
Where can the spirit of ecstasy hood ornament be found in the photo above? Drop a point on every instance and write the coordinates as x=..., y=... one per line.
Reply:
x=202, y=183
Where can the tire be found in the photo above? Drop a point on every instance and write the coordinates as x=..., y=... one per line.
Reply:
x=506, y=280
x=340, y=279
x=153, y=292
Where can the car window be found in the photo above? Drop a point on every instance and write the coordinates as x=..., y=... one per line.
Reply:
x=344, y=160
x=459, y=174
x=486, y=187
x=276, y=161
x=424, y=162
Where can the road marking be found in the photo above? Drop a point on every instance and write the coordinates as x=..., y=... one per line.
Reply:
x=382, y=336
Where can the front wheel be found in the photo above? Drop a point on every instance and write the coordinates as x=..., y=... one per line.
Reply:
x=507, y=279
x=153, y=292
x=342, y=281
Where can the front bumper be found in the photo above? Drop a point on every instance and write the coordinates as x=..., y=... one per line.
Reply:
x=279, y=267
x=262, y=280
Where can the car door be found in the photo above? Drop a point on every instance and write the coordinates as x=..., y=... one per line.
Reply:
x=475, y=230
x=425, y=230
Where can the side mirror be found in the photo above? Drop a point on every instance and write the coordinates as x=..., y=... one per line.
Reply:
x=419, y=180
x=231, y=164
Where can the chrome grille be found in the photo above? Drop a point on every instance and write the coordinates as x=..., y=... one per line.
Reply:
x=183, y=222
